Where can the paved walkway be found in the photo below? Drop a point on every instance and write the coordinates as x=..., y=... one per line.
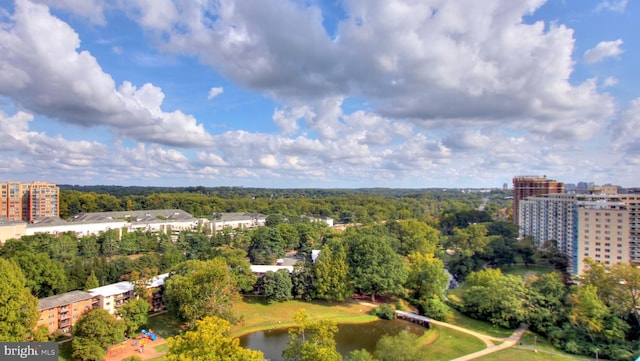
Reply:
x=507, y=342
x=488, y=340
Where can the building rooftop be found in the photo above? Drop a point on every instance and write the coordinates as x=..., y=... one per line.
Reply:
x=47, y=221
x=266, y=268
x=149, y=216
x=4, y=221
x=112, y=289
x=158, y=280
x=236, y=216
x=63, y=299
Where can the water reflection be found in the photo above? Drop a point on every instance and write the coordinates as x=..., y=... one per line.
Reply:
x=348, y=338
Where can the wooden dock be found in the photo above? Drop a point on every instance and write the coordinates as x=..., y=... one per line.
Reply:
x=414, y=318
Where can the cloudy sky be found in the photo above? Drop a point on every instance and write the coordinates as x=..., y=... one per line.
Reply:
x=319, y=93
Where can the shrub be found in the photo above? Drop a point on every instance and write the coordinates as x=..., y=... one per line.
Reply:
x=385, y=311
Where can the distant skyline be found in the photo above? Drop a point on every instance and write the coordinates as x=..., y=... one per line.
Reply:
x=319, y=94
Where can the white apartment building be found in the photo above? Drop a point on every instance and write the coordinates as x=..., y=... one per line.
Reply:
x=549, y=216
x=164, y=220
x=236, y=220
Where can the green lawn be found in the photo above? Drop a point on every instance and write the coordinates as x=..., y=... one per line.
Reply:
x=522, y=271
x=511, y=354
x=255, y=314
x=164, y=325
x=449, y=344
x=483, y=327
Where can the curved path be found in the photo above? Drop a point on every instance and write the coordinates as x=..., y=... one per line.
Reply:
x=488, y=340
x=507, y=342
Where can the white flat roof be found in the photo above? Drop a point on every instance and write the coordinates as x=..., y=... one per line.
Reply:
x=112, y=289
x=266, y=268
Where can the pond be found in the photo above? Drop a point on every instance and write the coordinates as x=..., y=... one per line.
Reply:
x=349, y=337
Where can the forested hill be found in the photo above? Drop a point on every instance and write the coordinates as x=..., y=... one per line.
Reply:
x=344, y=205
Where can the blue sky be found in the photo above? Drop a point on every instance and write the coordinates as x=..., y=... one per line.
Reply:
x=330, y=94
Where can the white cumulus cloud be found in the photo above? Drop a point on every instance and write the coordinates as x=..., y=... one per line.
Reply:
x=604, y=49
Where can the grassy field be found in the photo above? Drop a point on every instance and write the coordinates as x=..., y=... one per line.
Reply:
x=448, y=344
x=164, y=325
x=511, y=354
x=522, y=271
x=255, y=314
x=457, y=318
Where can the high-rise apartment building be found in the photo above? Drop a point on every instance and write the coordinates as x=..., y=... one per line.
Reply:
x=633, y=201
x=29, y=201
x=527, y=186
x=601, y=233
x=548, y=217
x=603, y=227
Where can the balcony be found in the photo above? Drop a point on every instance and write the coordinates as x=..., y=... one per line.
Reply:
x=64, y=316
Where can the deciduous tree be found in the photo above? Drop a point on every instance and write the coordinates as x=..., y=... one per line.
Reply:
x=196, y=289
x=497, y=298
x=402, y=347
x=209, y=342
x=18, y=308
x=312, y=340
x=45, y=277
x=374, y=266
x=135, y=313
x=332, y=274
x=276, y=286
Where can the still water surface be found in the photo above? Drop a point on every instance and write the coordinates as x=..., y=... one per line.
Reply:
x=349, y=337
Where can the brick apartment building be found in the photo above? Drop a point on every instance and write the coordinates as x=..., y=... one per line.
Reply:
x=29, y=201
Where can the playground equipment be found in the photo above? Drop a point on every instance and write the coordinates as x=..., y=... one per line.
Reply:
x=117, y=349
x=148, y=334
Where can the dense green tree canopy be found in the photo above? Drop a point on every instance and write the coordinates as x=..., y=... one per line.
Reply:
x=427, y=277
x=196, y=289
x=44, y=276
x=18, y=308
x=332, y=274
x=277, y=286
x=374, y=266
x=135, y=313
x=497, y=298
x=209, y=342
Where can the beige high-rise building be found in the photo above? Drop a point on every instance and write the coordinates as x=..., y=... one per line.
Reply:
x=29, y=201
x=602, y=232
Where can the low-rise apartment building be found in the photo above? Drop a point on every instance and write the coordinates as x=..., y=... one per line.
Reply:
x=61, y=312
x=236, y=220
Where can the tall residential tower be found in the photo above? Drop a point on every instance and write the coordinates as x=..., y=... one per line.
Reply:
x=527, y=186
x=29, y=201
